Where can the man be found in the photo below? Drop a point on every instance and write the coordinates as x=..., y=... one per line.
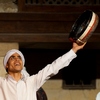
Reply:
x=18, y=85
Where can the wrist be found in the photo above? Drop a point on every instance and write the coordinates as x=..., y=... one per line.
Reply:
x=75, y=50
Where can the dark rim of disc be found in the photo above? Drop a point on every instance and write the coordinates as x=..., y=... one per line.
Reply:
x=80, y=25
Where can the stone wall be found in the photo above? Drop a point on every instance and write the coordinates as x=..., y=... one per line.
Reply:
x=8, y=6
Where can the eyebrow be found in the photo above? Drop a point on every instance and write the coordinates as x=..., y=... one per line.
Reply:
x=14, y=56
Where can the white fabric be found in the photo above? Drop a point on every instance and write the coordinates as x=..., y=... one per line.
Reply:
x=25, y=89
x=98, y=96
x=24, y=72
x=11, y=52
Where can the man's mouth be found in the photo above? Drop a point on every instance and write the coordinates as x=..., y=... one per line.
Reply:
x=17, y=64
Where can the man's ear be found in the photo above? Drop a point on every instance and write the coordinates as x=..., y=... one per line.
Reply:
x=6, y=65
x=7, y=68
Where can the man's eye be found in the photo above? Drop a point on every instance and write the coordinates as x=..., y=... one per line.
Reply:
x=19, y=57
x=12, y=58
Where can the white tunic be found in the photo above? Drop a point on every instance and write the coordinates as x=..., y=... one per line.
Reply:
x=25, y=89
x=98, y=96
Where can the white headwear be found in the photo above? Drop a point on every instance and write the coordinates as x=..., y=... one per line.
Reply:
x=11, y=52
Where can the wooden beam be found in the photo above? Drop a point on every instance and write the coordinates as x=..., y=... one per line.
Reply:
x=37, y=27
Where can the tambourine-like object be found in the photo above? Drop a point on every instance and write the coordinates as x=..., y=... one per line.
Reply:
x=84, y=27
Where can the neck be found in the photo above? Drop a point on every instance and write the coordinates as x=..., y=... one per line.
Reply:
x=16, y=76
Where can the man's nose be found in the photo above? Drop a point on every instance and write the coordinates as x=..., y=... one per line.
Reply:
x=16, y=58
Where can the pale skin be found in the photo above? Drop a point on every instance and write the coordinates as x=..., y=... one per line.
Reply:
x=15, y=64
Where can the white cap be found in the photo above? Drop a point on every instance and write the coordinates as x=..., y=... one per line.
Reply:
x=11, y=52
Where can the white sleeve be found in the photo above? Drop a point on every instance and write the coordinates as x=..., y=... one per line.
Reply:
x=53, y=68
x=62, y=61
x=98, y=96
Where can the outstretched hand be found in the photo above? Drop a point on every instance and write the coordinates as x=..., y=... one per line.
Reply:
x=77, y=47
